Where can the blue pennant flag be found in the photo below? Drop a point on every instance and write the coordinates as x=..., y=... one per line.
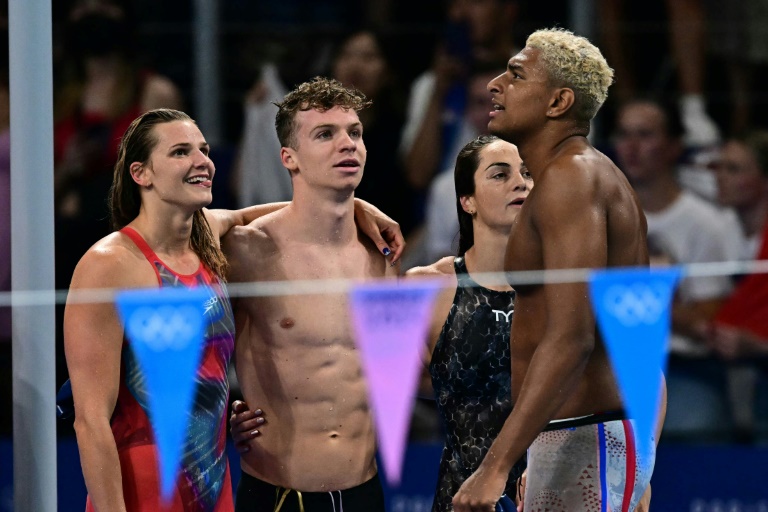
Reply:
x=633, y=308
x=165, y=327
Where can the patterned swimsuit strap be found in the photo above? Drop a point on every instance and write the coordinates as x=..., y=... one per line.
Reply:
x=462, y=274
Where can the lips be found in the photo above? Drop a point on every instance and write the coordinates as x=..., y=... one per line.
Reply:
x=203, y=180
x=349, y=165
x=517, y=202
x=496, y=108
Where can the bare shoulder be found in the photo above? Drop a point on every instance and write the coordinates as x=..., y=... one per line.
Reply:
x=113, y=262
x=441, y=268
x=581, y=177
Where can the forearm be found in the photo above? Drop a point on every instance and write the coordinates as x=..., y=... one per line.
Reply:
x=101, y=465
x=553, y=373
x=227, y=219
x=687, y=39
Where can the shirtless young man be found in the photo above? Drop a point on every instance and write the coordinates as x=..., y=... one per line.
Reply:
x=582, y=213
x=295, y=354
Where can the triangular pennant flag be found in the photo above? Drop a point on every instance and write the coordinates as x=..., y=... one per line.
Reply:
x=632, y=307
x=165, y=327
x=391, y=321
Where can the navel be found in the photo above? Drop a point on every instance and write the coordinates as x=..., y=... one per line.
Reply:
x=287, y=322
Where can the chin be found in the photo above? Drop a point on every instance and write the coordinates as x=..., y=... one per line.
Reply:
x=500, y=132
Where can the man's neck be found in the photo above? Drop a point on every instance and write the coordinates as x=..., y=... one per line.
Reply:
x=658, y=193
x=540, y=148
x=326, y=217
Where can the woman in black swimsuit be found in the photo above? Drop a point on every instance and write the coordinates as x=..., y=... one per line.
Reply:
x=469, y=338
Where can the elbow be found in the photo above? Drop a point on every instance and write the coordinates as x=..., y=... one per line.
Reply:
x=88, y=427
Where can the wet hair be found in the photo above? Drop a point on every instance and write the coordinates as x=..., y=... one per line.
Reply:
x=464, y=179
x=318, y=94
x=136, y=145
x=572, y=61
x=756, y=142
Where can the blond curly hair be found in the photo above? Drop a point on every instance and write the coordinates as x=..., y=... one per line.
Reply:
x=572, y=61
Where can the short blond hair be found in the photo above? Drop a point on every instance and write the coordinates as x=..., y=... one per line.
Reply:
x=572, y=61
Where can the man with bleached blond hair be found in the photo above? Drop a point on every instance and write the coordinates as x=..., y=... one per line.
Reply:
x=583, y=213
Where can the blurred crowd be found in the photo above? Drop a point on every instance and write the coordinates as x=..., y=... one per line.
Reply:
x=686, y=120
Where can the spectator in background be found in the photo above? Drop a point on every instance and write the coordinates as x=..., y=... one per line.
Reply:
x=689, y=230
x=361, y=61
x=436, y=129
x=738, y=332
x=742, y=184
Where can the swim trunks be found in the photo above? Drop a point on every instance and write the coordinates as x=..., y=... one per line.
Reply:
x=587, y=464
x=255, y=495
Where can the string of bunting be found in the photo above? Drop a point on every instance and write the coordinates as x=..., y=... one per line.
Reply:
x=390, y=321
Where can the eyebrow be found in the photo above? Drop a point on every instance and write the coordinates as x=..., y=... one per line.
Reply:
x=356, y=124
x=514, y=66
x=188, y=145
x=500, y=164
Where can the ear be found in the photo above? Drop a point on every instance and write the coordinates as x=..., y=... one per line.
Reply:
x=560, y=102
x=468, y=204
x=289, y=159
x=140, y=174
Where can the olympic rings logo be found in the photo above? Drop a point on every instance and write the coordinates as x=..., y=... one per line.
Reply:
x=639, y=303
x=165, y=327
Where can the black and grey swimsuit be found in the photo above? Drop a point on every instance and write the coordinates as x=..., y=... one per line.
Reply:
x=471, y=375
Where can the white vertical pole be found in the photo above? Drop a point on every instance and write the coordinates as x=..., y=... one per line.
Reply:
x=32, y=245
x=206, y=55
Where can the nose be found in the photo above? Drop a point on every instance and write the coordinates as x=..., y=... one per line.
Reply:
x=347, y=142
x=518, y=182
x=493, y=85
x=202, y=160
